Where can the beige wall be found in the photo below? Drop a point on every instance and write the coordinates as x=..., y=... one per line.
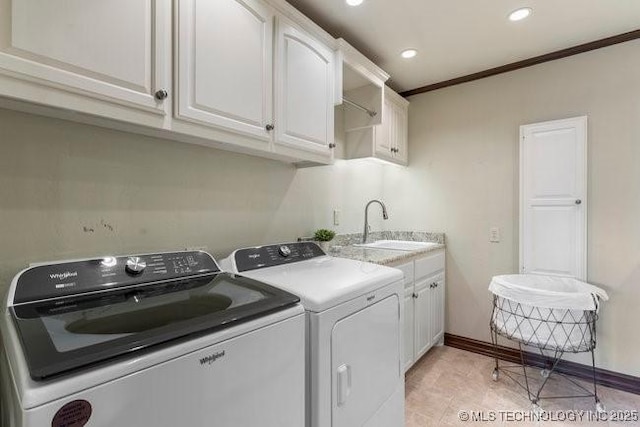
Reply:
x=72, y=190
x=463, y=179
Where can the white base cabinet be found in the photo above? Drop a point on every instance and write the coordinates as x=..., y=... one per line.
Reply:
x=424, y=301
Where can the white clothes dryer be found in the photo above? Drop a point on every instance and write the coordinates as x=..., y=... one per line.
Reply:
x=354, y=330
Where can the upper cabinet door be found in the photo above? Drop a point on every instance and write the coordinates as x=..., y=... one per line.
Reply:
x=113, y=50
x=401, y=134
x=384, y=133
x=225, y=61
x=304, y=90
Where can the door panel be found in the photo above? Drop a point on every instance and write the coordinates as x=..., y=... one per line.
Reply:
x=112, y=49
x=366, y=363
x=304, y=90
x=552, y=244
x=408, y=328
x=225, y=63
x=384, y=132
x=422, y=314
x=553, y=188
x=437, y=310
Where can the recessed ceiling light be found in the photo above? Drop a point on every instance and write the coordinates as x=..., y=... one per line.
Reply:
x=354, y=2
x=520, y=14
x=408, y=53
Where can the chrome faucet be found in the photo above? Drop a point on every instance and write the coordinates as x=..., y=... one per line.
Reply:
x=365, y=234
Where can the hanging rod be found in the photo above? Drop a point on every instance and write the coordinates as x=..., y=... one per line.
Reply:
x=371, y=113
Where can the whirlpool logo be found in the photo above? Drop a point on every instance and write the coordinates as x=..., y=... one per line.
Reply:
x=63, y=276
x=208, y=360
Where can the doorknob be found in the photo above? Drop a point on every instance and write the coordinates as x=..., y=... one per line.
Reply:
x=578, y=201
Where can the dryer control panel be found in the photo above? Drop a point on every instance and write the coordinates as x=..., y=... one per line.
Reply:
x=272, y=255
x=79, y=277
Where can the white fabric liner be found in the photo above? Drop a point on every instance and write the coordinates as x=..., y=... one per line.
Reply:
x=548, y=291
x=543, y=302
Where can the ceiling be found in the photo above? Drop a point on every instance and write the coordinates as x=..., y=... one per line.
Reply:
x=459, y=37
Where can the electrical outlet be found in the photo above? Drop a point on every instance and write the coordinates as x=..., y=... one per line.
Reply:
x=494, y=234
x=336, y=217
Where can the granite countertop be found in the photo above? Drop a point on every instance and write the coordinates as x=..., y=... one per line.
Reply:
x=342, y=246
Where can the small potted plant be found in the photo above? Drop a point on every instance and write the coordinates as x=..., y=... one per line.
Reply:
x=323, y=237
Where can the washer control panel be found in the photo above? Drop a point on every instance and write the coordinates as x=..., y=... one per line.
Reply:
x=272, y=255
x=78, y=277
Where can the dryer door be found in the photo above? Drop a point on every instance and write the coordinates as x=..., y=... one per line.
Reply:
x=366, y=367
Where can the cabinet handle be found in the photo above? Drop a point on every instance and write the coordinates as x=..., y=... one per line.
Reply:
x=415, y=295
x=578, y=201
x=332, y=145
x=269, y=127
x=161, y=94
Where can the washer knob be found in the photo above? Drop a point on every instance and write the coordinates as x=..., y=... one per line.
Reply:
x=135, y=265
x=284, y=251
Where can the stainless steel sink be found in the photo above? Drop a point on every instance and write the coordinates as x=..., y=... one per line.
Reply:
x=397, y=245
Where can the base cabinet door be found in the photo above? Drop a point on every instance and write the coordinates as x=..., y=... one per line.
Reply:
x=422, y=307
x=437, y=309
x=304, y=91
x=408, y=328
x=225, y=61
x=116, y=51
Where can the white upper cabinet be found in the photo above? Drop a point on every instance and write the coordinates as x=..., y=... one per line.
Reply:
x=304, y=90
x=391, y=136
x=225, y=62
x=115, y=50
x=388, y=140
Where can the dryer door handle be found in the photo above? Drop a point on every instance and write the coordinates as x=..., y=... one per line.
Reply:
x=344, y=384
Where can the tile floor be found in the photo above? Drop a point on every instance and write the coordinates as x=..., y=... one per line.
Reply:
x=447, y=380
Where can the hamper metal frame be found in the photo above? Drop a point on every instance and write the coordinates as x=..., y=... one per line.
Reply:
x=553, y=332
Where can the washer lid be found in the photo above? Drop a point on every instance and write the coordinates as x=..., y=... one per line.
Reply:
x=324, y=282
x=62, y=334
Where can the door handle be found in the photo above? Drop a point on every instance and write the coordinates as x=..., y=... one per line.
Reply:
x=578, y=201
x=344, y=384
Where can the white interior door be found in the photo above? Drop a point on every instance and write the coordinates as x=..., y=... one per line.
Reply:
x=225, y=64
x=553, y=194
x=365, y=359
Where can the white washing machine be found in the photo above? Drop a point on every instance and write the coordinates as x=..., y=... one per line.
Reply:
x=354, y=330
x=158, y=340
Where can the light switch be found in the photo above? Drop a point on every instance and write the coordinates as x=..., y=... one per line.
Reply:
x=494, y=234
x=336, y=217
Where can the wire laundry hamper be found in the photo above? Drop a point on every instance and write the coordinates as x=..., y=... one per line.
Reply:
x=553, y=314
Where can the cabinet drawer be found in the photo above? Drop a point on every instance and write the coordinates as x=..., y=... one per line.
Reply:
x=407, y=269
x=429, y=265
